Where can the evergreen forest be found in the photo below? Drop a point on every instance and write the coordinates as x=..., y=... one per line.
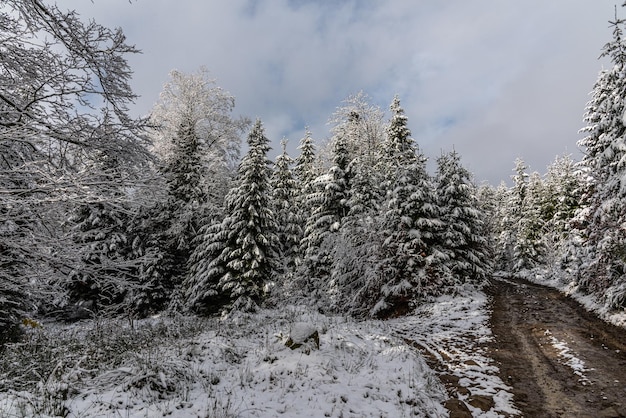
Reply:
x=105, y=215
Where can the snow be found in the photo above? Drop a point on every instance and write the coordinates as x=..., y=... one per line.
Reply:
x=241, y=367
x=454, y=330
x=300, y=331
x=569, y=358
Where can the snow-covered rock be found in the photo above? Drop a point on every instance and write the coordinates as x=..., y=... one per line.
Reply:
x=303, y=333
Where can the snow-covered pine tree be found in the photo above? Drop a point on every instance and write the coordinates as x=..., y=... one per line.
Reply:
x=512, y=212
x=286, y=213
x=398, y=148
x=207, y=265
x=197, y=142
x=235, y=260
x=530, y=248
x=306, y=171
x=463, y=234
x=486, y=195
x=411, y=260
x=329, y=207
x=503, y=229
x=104, y=272
x=356, y=280
x=604, y=162
x=563, y=186
x=104, y=275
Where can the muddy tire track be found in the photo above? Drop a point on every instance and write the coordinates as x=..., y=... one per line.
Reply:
x=561, y=360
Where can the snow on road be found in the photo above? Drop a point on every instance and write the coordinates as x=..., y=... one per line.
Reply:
x=454, y=330
x=569, y=358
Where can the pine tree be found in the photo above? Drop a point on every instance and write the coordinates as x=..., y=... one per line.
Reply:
x=288, y=218
x=306, y=172
x=463, y=234
x=563, y=194
x=605, y=164
x=530, y=249
x=512, y=213
x=398, y=147
x=504, y=229
x=329, y=207
x=207, y=265
x=103, y=276
x=411, y=260
x=356, y=279
x=235, y=260
x=486, y=196
x=105, y=272
x=197, y=142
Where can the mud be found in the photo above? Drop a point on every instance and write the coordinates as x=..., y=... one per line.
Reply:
x=531, y=325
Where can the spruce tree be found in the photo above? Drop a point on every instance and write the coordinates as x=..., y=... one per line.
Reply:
x=504, y=229
x=530, y=248
x=104, y=276
x=306, y=171
x=604, y=162
x=197, y=144
x=356, y=278
x=411, y=260
x=288, y=217
x=563, y=186
x=463, y=234
x=329, y=207
x=236, y=259
x=513, y=207
x=398, y=147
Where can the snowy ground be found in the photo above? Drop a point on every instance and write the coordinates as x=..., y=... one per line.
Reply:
x=240, y=367
x=454, y=330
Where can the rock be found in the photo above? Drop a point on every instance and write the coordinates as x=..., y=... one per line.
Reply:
x=303, y=334
x=610, y=412
x=484, y=403
x=449, y=379
x=457, y=409
x=462, y=390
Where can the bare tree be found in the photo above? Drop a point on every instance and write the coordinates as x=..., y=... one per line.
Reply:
x=64, y=108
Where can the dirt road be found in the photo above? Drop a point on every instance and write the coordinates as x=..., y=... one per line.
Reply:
x=560, y=360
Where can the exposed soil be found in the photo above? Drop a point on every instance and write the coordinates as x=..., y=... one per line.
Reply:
x=531, y=324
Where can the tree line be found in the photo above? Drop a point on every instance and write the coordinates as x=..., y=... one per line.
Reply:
x=570, y=224
x=105, y=214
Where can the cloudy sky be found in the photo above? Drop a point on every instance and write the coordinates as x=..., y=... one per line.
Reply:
x=493, y=79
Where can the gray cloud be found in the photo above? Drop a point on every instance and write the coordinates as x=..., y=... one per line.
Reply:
x=494, y=79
